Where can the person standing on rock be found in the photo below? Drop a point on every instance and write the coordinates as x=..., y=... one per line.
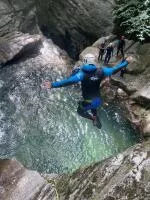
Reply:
x=109, y=53
x=120, y=46
x=101, y=50
x=90, y=77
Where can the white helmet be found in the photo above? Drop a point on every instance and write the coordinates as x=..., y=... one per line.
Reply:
x=89, y=58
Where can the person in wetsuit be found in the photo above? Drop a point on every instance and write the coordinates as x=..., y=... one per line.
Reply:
x=121, y=46
x=109, y=53
x=101, y=50
x=90, y=77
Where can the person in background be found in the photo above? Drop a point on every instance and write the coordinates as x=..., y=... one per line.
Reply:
x=109, y=53
x=90, y=77
x=101, y=50
x=121, y=46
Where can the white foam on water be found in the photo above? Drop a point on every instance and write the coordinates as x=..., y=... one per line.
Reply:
x=1, y=134
x=1, y=83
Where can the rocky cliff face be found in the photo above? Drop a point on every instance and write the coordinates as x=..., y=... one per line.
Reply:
x=123, y=177
x=16, y=19
x=75, y=24
x=70, y=24
x=17, y=16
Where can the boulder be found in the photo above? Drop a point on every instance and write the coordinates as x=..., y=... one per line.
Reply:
x=18, y=183
x=16, y=44
x=91, y=53
x=146, y=126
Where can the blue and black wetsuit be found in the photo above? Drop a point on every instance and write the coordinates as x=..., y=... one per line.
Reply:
x=109, y=52
x=90, y=77
x=120, y=47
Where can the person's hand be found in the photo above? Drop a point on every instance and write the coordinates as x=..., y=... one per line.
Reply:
x=105, y=104
x=129, y=59
x=47, y=84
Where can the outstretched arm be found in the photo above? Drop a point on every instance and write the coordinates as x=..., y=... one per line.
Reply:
x=69, y=81
x=110, y=71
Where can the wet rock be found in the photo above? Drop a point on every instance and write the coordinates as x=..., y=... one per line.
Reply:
x=121, y=83
x=143, y=95
x=125, y=176
x=16, y=44
x=121, y=93
x=146, y=126
x=18, y=183
x=90, y=52
x=107, y=39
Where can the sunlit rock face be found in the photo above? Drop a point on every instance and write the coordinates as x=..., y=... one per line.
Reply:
x=74, y=24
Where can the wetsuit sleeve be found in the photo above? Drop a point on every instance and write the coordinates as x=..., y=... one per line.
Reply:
x=110, y=71
x=69, y=81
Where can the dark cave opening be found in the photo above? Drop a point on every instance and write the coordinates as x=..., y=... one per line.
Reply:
x=73, y=44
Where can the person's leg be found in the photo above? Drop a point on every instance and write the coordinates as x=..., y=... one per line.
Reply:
x=105, y=61
x=122, y=72
x=94, y=112
x=118, y=51
x=108, y=59
x=83, y=109
x=99, y=55
x=96, y=121
x=92, y=106
x=122, y=53
x=97, y=102
x=102, y=53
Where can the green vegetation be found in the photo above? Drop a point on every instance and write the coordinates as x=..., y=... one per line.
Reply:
x=132, y=18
